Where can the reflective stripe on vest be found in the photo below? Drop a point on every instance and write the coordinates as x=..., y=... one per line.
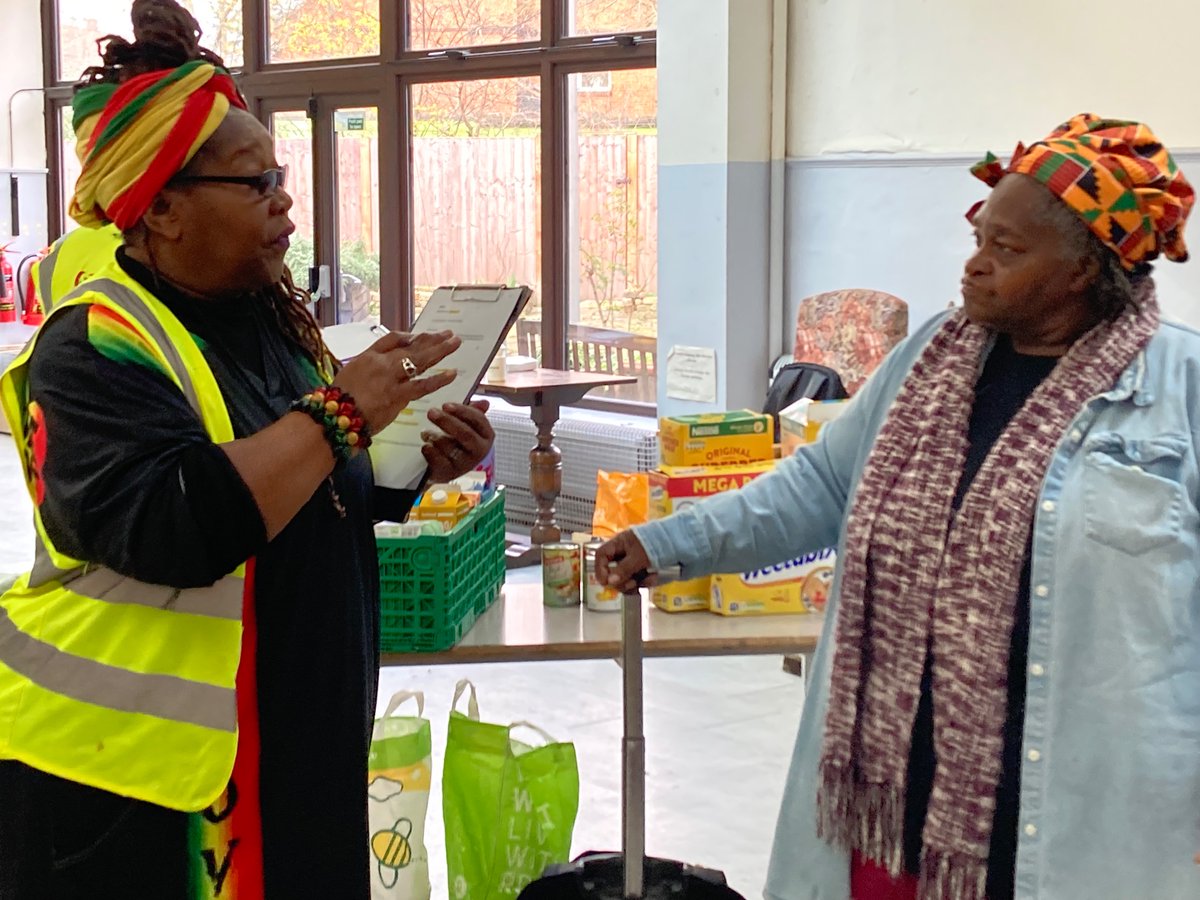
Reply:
x=104, y=680
x=162, y=696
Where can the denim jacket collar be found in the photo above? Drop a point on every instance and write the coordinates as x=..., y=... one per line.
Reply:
x=1133, y=383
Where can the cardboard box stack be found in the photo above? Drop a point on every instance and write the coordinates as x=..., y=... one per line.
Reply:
x=708, y=454
x=674, y=488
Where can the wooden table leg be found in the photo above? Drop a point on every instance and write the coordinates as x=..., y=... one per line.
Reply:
x=545, y=474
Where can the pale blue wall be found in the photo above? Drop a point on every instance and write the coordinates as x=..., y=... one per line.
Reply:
x=899, y=227
x=712, y=276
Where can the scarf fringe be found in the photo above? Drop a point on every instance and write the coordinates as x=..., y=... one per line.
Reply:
x=868, y=818
x=952, y=876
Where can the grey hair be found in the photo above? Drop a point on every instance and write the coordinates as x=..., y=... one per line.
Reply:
x=1115, y=287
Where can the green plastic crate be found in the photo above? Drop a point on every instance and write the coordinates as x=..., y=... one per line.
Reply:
x=433, y=587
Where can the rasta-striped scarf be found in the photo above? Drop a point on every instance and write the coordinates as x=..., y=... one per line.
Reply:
x=133, y=138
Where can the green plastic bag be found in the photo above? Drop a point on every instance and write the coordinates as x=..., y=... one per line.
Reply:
x=398, y=781
x=509, y=807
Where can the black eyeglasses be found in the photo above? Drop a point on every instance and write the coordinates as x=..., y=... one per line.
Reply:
x=269, y=182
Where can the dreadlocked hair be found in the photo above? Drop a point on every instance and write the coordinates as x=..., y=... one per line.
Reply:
x=289, y=303
x=165, y=36
x=1115, y=287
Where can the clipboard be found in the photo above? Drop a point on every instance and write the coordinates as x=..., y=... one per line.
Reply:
x=482, y=316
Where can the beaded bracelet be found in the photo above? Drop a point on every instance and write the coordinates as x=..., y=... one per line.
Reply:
x=335, y=410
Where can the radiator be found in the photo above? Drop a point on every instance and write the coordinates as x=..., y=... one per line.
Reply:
x=588, y=441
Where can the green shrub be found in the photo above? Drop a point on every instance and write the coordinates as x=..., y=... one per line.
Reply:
x=356, y=260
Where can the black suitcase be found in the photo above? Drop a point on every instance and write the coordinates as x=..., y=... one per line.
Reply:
x=605, y=875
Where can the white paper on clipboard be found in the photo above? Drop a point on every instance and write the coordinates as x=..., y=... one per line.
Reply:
x=481, y=316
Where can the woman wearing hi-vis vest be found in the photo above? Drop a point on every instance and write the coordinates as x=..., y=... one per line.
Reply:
x=188, y=673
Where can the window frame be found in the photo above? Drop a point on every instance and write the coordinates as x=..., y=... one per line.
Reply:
x=384, y=81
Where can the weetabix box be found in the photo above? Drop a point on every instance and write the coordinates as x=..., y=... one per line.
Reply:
x=716, y=439
x=799, y=585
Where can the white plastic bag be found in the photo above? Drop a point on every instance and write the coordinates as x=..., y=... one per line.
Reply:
x=398, y=780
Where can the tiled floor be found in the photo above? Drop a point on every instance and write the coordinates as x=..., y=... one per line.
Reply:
x=719, y=733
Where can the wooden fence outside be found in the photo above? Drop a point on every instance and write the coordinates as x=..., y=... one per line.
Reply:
x=477, y=216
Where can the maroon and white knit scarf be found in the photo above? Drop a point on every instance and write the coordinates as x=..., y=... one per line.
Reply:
x=916, y=576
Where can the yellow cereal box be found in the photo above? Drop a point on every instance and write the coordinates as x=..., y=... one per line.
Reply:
x=682, y=596
x=674, y=488
x=800, y=585
x=707, y=439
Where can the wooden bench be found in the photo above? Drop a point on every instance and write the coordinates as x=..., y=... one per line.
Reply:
x=603, y=351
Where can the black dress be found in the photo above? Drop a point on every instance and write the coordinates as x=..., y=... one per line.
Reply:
x=133, y=481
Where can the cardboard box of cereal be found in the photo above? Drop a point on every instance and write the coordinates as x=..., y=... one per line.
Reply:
x=714, y=439
x=799, y=585
x=683, y=596
x=674, y=488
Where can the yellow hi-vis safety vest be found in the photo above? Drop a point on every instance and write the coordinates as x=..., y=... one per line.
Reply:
x=73, y=259
x=106, y=681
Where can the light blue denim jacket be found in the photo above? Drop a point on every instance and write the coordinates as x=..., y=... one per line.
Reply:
x=1110, y=784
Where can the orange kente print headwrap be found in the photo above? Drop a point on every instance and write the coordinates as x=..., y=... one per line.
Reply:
x=1116, y=176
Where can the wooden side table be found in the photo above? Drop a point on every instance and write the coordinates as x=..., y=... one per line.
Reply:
x=545, y=392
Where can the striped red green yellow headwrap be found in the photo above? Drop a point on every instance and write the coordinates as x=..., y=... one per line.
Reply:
x=133, y=138
x=1116, y=176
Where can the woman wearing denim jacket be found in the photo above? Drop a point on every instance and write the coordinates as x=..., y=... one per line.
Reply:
x=1006, y=700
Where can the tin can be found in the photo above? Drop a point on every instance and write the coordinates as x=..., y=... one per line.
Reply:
x=560, y=574
x=597, y=593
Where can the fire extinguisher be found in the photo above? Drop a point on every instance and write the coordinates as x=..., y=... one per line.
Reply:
x=8, y=292
x=31, y=304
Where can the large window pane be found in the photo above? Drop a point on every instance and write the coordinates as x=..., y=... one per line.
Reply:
x=304, y=30
x=293, y=148
x=476, y=191
x=357, y=133
x=613, y=215
x=81, y=22
x=468, y=23
x=609, y=16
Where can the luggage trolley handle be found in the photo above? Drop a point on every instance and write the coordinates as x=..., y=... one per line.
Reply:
x=633, y=744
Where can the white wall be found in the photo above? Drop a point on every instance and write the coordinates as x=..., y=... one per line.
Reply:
x=963, y=75
x=21, y=67
x=890, y=103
